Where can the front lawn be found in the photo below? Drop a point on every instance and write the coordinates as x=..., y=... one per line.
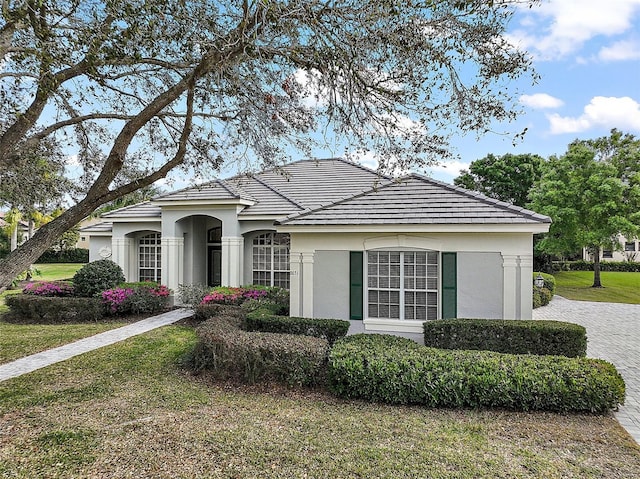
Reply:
x=56, y=271
x=129, y=410
x=618, y=287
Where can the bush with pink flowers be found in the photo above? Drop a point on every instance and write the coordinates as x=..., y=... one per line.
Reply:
x=224, y=295
x=136, y=298
x=49, y=289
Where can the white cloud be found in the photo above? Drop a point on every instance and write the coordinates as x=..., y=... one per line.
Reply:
x=449, y=170
x=603, y=112
x=620, y=51
x=558, y=28
x=541, y=101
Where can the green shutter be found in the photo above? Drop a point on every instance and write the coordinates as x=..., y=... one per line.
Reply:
x=449, y=286
x=355, y=285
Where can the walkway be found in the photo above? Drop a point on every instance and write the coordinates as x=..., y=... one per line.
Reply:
x=613, y=334
x=62, y=353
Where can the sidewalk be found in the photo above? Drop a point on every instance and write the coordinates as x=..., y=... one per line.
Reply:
x=62, y=353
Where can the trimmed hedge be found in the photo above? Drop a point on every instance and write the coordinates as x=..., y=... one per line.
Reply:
x=96, y=277
x=549, y=281
x=263, y=319
x=399, y=371
x=541, y=297
x=620, y=266
x=508, y=336
x=228, y=352
x=40, y=309
x=74, y=255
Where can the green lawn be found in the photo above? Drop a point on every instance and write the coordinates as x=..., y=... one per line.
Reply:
x=618, y=287
x=56, y=271
x=129, y=410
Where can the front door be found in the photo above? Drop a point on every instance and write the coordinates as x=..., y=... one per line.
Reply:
x=214, y=266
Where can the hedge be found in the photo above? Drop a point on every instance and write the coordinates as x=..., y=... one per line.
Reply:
x=228, y=352
x=74, y=255
x=508, y=336
x=399, y=371
x=620, y=266
x=40, y=309
x=263, y=319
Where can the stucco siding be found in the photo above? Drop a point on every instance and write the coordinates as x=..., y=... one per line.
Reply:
x=95, y=244
x=480, y=285
x=331, y=281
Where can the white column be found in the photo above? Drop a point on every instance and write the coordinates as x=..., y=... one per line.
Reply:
x=120, y=254
x=307, y=285
x=172, y=261
x=526, y=286
x=232, y=260
x=295, y=284
x=510, y=286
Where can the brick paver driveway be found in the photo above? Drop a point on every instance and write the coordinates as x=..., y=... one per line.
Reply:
x=613, y=333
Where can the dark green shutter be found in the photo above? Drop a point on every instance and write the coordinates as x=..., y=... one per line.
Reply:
x=355, y=284
x=449, y=286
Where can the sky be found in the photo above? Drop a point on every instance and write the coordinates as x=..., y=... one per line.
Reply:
x=587, y=53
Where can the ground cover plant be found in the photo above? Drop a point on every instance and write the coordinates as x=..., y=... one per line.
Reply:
x=619, y=287
x=130, y=410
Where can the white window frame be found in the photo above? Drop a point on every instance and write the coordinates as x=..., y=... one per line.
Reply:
x=149, y=247
x=401, y=323
x=268, y=247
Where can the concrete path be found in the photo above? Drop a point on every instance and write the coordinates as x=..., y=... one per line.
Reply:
x=62, y=353
x=613, y=334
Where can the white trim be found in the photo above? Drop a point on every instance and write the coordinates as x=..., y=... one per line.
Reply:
x=403, y=241
x=413, y=228
x=396, y=325
x=209, y=203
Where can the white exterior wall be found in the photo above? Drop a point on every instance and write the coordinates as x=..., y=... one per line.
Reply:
x=507, y=257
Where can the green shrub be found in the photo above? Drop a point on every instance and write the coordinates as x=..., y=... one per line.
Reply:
x=192, y=294
x=73, y=255
x=399, y=371
x=136, y=298
x=228, y=352
x=96, y=277
x=549, y=281
x=541, y=297
x=263, y=319
x=508, y=336
x=619, y=266
x=38, y=309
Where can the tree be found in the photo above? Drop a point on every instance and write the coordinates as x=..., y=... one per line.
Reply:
x=588, y=200
x=506, y=178
x=161, y=85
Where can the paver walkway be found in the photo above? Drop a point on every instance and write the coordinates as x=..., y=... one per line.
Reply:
x=613, y=334
x=55, y=355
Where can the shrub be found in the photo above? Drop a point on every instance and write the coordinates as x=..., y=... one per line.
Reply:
x=73, y=255
x=264, y=320
x=192, y=294
x=508, y=336
x=228, y=352
x=49, y=288
x=40, y=309
x=94, y=278
x=541, y=297
x=207, y=311
x=136, y=298
x=620, y=266
x=549, y=281
x=399, y=371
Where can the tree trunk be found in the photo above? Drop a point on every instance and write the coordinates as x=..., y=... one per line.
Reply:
x=596, y=268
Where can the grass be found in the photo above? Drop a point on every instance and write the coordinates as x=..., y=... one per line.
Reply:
x=618, y=287
x=56, y=271
x=129, y=410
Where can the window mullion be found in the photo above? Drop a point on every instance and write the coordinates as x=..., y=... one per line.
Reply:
x=402, y=285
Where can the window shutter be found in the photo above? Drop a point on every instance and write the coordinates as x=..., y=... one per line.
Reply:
x=355, y=284
x=449, y=285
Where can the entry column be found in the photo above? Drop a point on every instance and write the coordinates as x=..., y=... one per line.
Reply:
x=232, y=260
x=172, y=261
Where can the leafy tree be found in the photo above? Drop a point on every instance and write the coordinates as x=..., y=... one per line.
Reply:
x=588, y=200
x=161, y=85
x=506, y=178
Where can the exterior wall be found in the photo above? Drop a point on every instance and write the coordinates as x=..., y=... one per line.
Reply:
x=331, y=284
x=480, y=285
x=624, y=253
x=95, y=244
x=494, y=272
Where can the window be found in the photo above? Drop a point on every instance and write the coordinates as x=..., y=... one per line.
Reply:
x=402, y=285
x=607, y=253
x=271, y=260
x=149, y=259
x=630, y=246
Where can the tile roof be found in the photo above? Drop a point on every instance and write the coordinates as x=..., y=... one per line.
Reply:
x=416, y=200
x=105, y=227
x=146, y=210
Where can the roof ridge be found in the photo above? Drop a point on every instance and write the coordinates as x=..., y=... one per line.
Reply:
x=362, y=167
x=481, y=197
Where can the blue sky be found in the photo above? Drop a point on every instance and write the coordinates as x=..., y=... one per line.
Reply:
x=587, y=53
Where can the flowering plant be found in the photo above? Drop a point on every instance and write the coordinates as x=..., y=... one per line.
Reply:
x=49, y=288
x=115, y=299
x=233, y=295
x=136, y=298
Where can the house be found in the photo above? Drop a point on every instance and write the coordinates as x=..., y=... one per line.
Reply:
x=22, y=232
x=627, y=250
x=347, y=243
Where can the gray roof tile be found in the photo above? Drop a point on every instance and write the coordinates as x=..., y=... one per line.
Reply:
x=145, y=210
